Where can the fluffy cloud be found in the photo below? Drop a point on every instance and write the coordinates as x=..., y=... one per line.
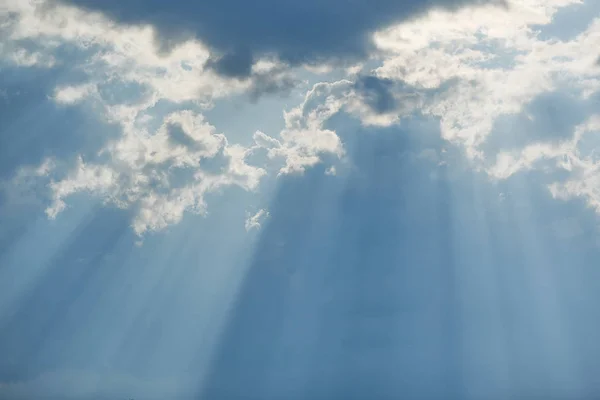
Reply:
x=162, y=164
x=580, y=161
x=306, y=139
x=73, y=94
x=254, y=221
x=571, y=167
x=161, y=174
x=488, y=62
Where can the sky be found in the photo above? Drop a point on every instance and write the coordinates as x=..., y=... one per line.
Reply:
x=299, y=199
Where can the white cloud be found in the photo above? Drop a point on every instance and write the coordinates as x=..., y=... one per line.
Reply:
x=580, y=163
x=91, y=178
x=254, y=221
x=304, y=138
x=24, y=58
x=490, y=59
x=142, y=168
x=507, y=164
x=584, y=177
x=73, y=94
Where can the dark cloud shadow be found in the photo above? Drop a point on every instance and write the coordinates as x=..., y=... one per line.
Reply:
x=296, y=31
x=407, y=279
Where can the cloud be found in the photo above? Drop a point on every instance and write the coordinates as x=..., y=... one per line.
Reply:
x=254, y=221
x=24, y=58
x=570, y=169
x=105, y=52
x=296, y=32
x=515, y=100
x=512, y=100
x=548, y=118
x=305, y=139
x=377, y=93
x=143, y=172
x=267, y=84
x=486, y=63
x=73, y=94
x=583, y=164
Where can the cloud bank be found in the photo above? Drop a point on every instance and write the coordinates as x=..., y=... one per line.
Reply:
x=297, y=32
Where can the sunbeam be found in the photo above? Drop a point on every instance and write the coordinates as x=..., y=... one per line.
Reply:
x=222, y=200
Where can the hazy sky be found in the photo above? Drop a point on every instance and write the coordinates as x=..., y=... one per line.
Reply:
x=299, y=199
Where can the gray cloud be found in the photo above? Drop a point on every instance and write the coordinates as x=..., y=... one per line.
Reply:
x=266, y=84
x=239, y=31
x=377, y=93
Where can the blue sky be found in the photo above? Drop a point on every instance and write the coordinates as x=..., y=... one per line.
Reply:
x=298, y=200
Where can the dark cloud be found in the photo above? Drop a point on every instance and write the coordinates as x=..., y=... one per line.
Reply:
x=265, y=84
x=377, y=93
x=179, y=137
x=233, y=64
x=296, y=31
